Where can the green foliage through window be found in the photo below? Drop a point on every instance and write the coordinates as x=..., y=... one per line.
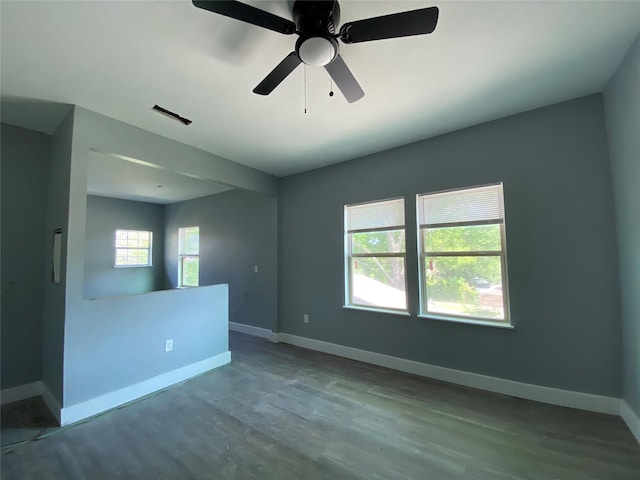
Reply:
x=133, y=248
x=376, y=255
x=462, y=253
x=465, y=285
x=190, y=271
x=188, y=252
x=463, y=239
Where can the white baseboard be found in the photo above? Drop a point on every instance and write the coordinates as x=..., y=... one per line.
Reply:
x=554, y=396
x=50, y=401
x=21, y=392
x=630, y=417
x=29, y=390
x=255, y=331
x=108, y=401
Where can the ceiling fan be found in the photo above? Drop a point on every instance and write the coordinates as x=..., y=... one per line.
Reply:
x=315, y=23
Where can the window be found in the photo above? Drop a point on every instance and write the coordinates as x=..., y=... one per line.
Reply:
x=375, y=260
x=133, y=248
x=462, y=254
x=188, y=256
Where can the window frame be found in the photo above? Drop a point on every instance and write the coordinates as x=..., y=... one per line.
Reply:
x=186, y=256
x=349, y=255
x=149, y=249
x=423, y=254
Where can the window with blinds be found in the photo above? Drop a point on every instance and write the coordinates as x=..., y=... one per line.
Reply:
x=462, y=254
x=375, y=259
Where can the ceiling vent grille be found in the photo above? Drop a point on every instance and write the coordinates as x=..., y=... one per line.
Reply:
x=172, y=115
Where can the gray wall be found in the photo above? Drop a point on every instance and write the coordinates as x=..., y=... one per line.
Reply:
x=104, y=217
x=238, y=230
x=25, y=162
x=57, y=216
x=562, y=259
x=622, y=106
x=116, y=342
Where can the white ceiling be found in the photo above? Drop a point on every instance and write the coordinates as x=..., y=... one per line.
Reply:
x=110, y=176
x=485, y=60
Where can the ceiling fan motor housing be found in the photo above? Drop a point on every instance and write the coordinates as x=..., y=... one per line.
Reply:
x=316, y=23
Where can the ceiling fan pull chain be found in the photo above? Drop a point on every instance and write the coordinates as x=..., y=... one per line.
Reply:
x=330, y=77
x=305, y=88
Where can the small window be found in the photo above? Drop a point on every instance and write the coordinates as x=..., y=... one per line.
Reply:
x=375, y=259
x=133, y=248
x=189, y=257
x=463, y=271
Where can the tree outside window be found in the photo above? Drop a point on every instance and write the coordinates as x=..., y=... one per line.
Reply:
x=189, y=257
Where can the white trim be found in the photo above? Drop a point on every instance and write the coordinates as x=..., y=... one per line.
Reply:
x=554, y=396
x=402, y=313
x=110, y=400
x=630, y=417
x=50, y=401
x=468, y=321
x=255, y=331
x=29, y=390
x=21, y=392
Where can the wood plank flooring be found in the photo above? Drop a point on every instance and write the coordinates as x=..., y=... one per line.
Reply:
x=24, y=420
x=281, y=412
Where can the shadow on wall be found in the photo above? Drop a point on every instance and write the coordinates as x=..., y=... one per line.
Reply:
x=33, y=114
x=133, y=216
x=238, y=246
x=124, y=234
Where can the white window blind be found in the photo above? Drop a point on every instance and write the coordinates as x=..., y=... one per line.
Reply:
x=462, y=247
x=481, y=204
x=379, y=215
x=375, y=258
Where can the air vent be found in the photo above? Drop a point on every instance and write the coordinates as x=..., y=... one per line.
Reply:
x=170, y=114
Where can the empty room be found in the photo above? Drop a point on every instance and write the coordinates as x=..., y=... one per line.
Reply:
x=320, y=239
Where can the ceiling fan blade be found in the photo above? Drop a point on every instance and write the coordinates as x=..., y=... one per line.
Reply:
x=344, y=79
x=404, y=24
x=247, y=13
x=278, y=74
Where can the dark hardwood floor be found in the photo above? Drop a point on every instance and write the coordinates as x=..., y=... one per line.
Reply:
x=281, y=412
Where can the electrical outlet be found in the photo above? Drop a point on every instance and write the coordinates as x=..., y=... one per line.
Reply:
x=306, y=318
x=168, y=345
x=255, y=269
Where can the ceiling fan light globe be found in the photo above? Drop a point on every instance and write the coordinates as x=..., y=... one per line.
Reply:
x=317, y=51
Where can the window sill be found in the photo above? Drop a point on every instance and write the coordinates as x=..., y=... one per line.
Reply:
x=132, y=266
x=378, y=310
x=485, y=323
